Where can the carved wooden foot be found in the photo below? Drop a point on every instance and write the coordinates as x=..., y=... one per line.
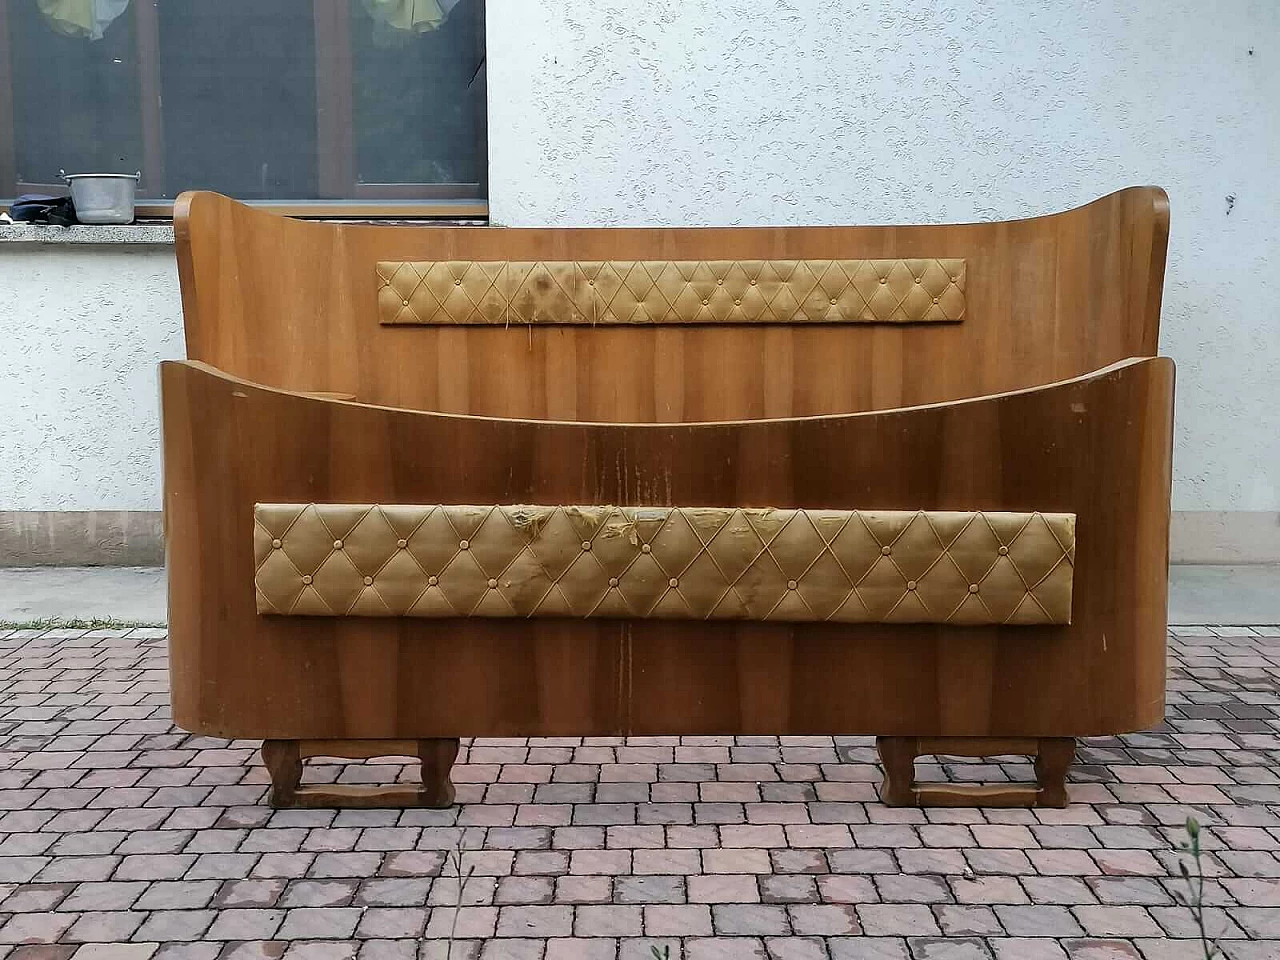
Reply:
x=283, y=759
x=1054, y=756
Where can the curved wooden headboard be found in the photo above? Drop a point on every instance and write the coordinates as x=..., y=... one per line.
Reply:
x=294, y=304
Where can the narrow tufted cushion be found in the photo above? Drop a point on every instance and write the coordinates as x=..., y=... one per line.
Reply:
x=727, y=563
x=670, y=292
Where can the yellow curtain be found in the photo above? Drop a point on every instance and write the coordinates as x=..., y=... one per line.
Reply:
x=82, y=18
x=416, y=16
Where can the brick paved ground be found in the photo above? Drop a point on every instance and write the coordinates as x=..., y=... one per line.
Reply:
x=121, y=837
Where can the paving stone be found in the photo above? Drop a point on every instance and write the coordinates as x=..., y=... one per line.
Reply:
x=724, y=948
x=245, y=924
x=678, y=920
x=607, y=920
x=36, y=927
x=104, y=926
x=245, y=893
x=165, y=926
x=930, y=948
x=318, y=893
x=321, y=950
x=535, y=921
x=823, y=919
x=1026, y=948
x=913, y=889
x=795, y=948
x=392, y=922
x=788, y=889
x=189, y=951
x=868, y=948
x=896, y=919
x=116, y=951
x=392, y=892
x=962, y=920
x=649, y=890
x=585, y=890
x=750, y=919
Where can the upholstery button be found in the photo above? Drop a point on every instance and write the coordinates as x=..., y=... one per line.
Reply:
x=833, y=301
x=337, y=544
x=586, y=544
x=753, y=283
x=917, y=279
x=705, y=302
x=402, y=544
x=276, y=543
x=368, y=581
x=886, y=550
x=492, y=583
x=1003, y=551
x=737, y=303
x=406, y=303
x=674, y=582
x=791, y=584
x=720, y=282
x=306, y=578
x=613, y=581
x=973, y=588
x=645, y=548
x=457, y=283
x=432, y=581
x=911, y=584
x=591, y=283
x=935, y=299
x=884, y=279
x=464, y=545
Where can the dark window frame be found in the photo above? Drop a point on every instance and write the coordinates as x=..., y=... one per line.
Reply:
x=335, y=125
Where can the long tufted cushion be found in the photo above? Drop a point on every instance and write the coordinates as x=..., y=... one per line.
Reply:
x=670, y=292
x=674, y=562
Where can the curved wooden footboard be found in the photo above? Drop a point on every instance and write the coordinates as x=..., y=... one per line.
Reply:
x=1097, y=447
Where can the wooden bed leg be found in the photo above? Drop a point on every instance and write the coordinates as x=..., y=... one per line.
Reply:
x=1054, y=756
x=284, y=763
x=437, y=758
x=898, y=757
x=1052, y=763
x=283, y=759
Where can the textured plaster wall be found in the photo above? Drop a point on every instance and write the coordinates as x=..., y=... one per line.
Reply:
x=83, y=329
x=815, y=111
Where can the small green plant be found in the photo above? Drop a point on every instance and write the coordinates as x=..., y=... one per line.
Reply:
x=75, y=623
x=1194, y=897
x=663, y=954
x=454, y=858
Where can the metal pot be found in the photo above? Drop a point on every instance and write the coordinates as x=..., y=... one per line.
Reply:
x=103, y=197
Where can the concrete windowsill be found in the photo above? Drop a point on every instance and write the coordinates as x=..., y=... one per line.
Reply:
x=146, y=233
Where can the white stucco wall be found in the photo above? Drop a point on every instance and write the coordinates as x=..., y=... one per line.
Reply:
x=791, y=111
x=880, y=111
x=83, y=329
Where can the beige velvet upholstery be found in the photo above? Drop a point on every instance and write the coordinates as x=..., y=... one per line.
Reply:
x=671, y=292
x=673, y=562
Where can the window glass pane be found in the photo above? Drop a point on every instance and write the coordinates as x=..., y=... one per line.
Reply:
x=418, y=90
x=237, y=80
x=75, y=89
x=258, y=99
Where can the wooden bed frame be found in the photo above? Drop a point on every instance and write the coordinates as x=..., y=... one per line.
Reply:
x=1011, y=379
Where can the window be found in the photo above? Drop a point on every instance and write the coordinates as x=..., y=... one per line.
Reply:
x=376, y=103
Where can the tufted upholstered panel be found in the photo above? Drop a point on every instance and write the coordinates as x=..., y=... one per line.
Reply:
x=717, y=563
x=670, y=292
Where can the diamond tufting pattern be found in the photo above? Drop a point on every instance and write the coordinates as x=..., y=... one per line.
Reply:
x=719, y=563
x=670, y=292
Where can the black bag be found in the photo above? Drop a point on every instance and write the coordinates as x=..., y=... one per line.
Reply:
x=37, y=208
